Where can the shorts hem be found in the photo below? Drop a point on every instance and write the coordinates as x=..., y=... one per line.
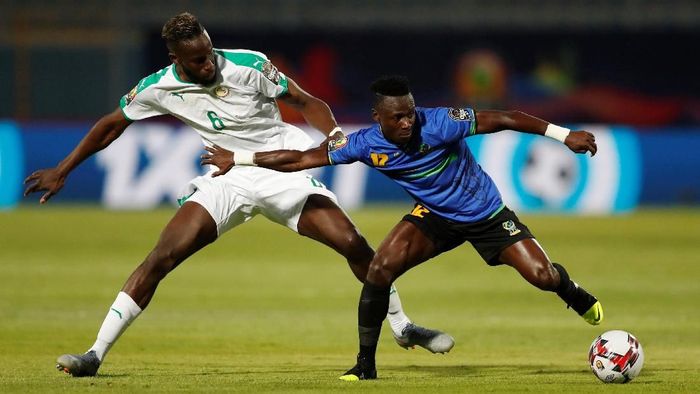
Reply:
x=194, y=198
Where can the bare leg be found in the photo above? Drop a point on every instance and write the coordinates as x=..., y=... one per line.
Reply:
x=405, y=247
x=528, y=258
x=191, y=229
x=323, y=221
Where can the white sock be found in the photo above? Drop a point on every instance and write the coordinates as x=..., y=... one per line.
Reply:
x=397, y=319
x=123, y=311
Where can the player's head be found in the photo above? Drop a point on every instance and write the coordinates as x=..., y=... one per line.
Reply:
x=189, y=47
x=393, y=108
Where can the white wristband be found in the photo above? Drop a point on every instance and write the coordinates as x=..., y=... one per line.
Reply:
x=556, y=132
x=244, y=158
x=337, y=129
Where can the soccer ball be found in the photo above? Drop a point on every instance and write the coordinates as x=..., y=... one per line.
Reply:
x=616, y=357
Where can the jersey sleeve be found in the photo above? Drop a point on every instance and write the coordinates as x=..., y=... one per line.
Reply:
x=271, y=82
x=347, y=150
x=455, y=123
x=141, y=103
x=258, y=71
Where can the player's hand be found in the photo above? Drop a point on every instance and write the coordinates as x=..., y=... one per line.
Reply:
x=219, y=157
x=48, y=179
x=581, y=141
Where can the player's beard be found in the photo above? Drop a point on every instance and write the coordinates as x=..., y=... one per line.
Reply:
x=192, y=77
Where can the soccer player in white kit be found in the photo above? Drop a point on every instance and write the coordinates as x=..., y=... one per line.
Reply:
x=228, y=97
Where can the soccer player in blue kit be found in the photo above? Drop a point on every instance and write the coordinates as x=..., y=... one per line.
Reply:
x=424, y=150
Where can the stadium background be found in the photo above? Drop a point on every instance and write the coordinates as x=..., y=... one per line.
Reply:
x=625, y=69
x=623, y=66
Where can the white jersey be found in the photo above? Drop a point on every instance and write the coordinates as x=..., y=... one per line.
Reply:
x=237, y=112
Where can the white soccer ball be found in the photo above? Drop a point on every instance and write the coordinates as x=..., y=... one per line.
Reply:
x=616, y=357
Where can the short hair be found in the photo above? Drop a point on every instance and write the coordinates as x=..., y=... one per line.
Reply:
x=389, y=85
x=181, y=27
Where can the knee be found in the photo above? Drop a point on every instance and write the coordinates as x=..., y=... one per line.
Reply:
x=545, y=277
x=379, y=275
x=383, y=269
x=355, y=248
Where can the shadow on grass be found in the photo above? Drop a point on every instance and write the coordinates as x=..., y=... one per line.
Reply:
x=470, y=371
x=162, y=373
x=413, y=372
x=416, y=370
x=480, y=370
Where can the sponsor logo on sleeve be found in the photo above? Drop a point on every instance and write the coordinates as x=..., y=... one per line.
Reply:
x=270, y=72
x=459, y=114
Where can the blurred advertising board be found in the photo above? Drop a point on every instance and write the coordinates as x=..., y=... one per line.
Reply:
x=11, y=164
x=152, y=162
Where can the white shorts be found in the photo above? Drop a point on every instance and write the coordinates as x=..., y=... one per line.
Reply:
x=243, y=192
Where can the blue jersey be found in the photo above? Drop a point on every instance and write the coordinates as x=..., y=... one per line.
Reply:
x=436, y=167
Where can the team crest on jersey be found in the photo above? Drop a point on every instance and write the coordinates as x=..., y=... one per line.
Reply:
x=423, y=148
x=270, y=72
x=511, y=228
x=131, y=95
x=459, y=114
x=221, y=91
x=335, y=144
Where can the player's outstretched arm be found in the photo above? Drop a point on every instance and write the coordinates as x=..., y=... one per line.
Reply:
x=316, y=112
x=579, y=141
x=51, y=180
x=279, y=160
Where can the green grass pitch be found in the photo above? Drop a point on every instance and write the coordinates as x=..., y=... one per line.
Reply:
x=264, y=310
